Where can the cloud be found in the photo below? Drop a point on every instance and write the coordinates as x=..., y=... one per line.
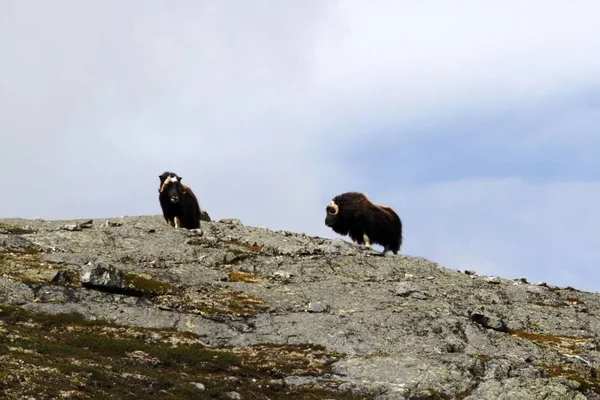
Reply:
x=507, y=227
x=483, y=110
x=213, y=92
x=425, y=56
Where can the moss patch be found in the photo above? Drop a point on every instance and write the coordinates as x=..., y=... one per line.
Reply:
x=481, y=357
x=251, y=247
x=237, y=276
x=66, y=356
x=298, y=360
x=146, y=286
x=15, y=230
x=431, y=394
x=25, y=265
x=587, y=377
x=215, y=304
x=564, y=344
x=569, y=301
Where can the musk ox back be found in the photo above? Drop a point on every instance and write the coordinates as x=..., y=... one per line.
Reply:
x=353, y=214
x=179, y=204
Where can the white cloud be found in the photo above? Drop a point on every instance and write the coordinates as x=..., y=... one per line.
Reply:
x=256, y=105
x=432, y=43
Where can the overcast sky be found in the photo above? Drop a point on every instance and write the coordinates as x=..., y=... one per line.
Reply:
x=477, y=121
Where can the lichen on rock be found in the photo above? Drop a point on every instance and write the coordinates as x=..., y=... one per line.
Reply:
x=138, y=308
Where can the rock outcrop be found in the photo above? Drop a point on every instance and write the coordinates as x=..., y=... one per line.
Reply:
x=132, y=308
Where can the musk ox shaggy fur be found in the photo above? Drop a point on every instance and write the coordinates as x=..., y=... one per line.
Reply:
x=179, y=204
x=353, y=214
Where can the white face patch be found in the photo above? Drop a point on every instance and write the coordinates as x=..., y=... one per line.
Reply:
x=167, y=180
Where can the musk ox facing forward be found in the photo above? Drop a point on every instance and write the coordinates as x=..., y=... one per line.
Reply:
x=179, y=204
x=353, y=213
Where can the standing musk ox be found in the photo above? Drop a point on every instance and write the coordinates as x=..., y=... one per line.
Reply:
x=353, y=213
x=179, y=204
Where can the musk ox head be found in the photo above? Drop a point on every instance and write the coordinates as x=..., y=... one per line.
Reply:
x=333, y=211
x=337, y=216
x=170, y=186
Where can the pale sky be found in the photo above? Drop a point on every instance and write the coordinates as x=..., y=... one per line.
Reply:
x=477, y=121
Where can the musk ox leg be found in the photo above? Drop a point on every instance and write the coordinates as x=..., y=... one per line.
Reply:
x=170, y=222
x=367, y=241
x=177, y=222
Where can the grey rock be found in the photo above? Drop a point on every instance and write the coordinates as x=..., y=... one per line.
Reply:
x=405, y=289
x=63, y=277
x=282, y=275
x=101, y=276
x=204, y=216
x=231, y=221
x=15, y=292
x=196, y=232
x=418, y=295
x=233, y=396
x=317, y=307
x=338, y=246
x=493, y=279
x=489, y=321
x=199, y=386
x=110, y=224
x=400, y=327
x=71, y=227
x=87, y=224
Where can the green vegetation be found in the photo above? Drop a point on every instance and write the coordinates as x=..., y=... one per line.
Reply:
x=564, y=344
x=25, y=265
x=15, y=230
x=54, y=356
x=237, y=276
x=144, y=286
x=215, y=304
x=587, y=377
x=251, y=247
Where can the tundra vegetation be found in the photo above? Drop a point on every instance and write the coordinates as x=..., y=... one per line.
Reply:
x=132, y=308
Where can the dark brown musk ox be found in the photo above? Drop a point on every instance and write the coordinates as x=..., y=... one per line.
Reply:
x=179, y=204
x=367, y=223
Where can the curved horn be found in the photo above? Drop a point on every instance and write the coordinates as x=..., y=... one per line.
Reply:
x=336, y=208
x=164, y=184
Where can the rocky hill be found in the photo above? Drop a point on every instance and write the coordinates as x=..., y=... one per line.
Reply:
x=130, y=308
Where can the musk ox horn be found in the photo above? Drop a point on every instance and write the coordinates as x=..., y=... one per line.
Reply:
x=336, y=208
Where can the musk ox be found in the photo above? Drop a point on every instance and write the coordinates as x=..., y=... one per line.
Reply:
x=367, y=223
x=179, y=204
